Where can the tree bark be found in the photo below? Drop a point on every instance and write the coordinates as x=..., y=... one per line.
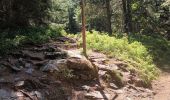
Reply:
x=124, y=15
x=109, y=16
x=83, y=27
x=127, y=16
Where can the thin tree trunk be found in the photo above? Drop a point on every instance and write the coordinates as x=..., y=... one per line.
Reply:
x=124, y=15
x=83, y=27
x=109, y=23
x=127, y=15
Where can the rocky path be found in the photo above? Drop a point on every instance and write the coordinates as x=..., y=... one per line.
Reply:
x=161, y=87
x=58, y=71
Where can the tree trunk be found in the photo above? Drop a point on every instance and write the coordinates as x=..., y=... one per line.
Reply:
x=127, y=15
x=124, y=15
x=83, y=27
x=109, y=16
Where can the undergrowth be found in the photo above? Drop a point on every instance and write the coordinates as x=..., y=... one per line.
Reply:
x=12, y=39
x=134, y=53
x=157, y=46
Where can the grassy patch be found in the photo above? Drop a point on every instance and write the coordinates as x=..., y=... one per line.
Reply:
x=132, y=52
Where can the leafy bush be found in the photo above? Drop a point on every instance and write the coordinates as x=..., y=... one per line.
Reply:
x=10, y=40
x=157, y=45
x=134, y=53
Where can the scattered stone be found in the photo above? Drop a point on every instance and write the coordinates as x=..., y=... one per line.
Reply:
x=39, y=95
x=74, y=54
x=77, y=95
x=108, y=68
x=149, y=91
x=101, y=73
x=16, y=68
x=29, y=71
x=85, y=87
x=99, y=60
x=28, y=65
x=119, y=91
x=17, y=79
x=20, y=59
x=97, y=95
x=33, y=56
x=54, y=55
x=49, y=68
x=19, y=94
x=7, y=95
x=55, y=65
x=112, y=85
x=128, y=98
x=19, y=83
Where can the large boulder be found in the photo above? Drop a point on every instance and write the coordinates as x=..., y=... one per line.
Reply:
x=77, y=64
x=82, y=68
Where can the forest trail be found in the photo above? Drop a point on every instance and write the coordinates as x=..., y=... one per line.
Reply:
x=36, y=79
x=161, y=87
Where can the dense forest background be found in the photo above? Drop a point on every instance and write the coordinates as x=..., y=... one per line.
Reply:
x=117, y=16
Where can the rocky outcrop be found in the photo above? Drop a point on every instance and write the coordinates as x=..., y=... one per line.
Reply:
x=82, y=68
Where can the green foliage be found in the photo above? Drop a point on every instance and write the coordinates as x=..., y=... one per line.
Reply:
x=166, y=3
x=19, y=13
x=67, y=73
x=6, y=45
x=29, y=35
x=158, y=47
x=134, y=53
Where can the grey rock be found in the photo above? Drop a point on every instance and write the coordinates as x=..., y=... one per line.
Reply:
x=16, y=68
x=85, y=87
x=119, y=91
x=84, y=68
x=49, y=68
x=19, y=83
x=97, y=95
x=19, y=94
x=54, y=65
x=112, y=85
x=54, y=55
x=29, y=71
x=33, y=56
x=2, y=68
x=7, y=95
x=39, y=95
x=28, y=65
x=74, y=54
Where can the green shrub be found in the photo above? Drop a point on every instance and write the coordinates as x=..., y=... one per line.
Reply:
x=157, y=45
x=11, y=39
x=134, y=53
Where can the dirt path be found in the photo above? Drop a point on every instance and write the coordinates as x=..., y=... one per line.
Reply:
x=162, y=87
